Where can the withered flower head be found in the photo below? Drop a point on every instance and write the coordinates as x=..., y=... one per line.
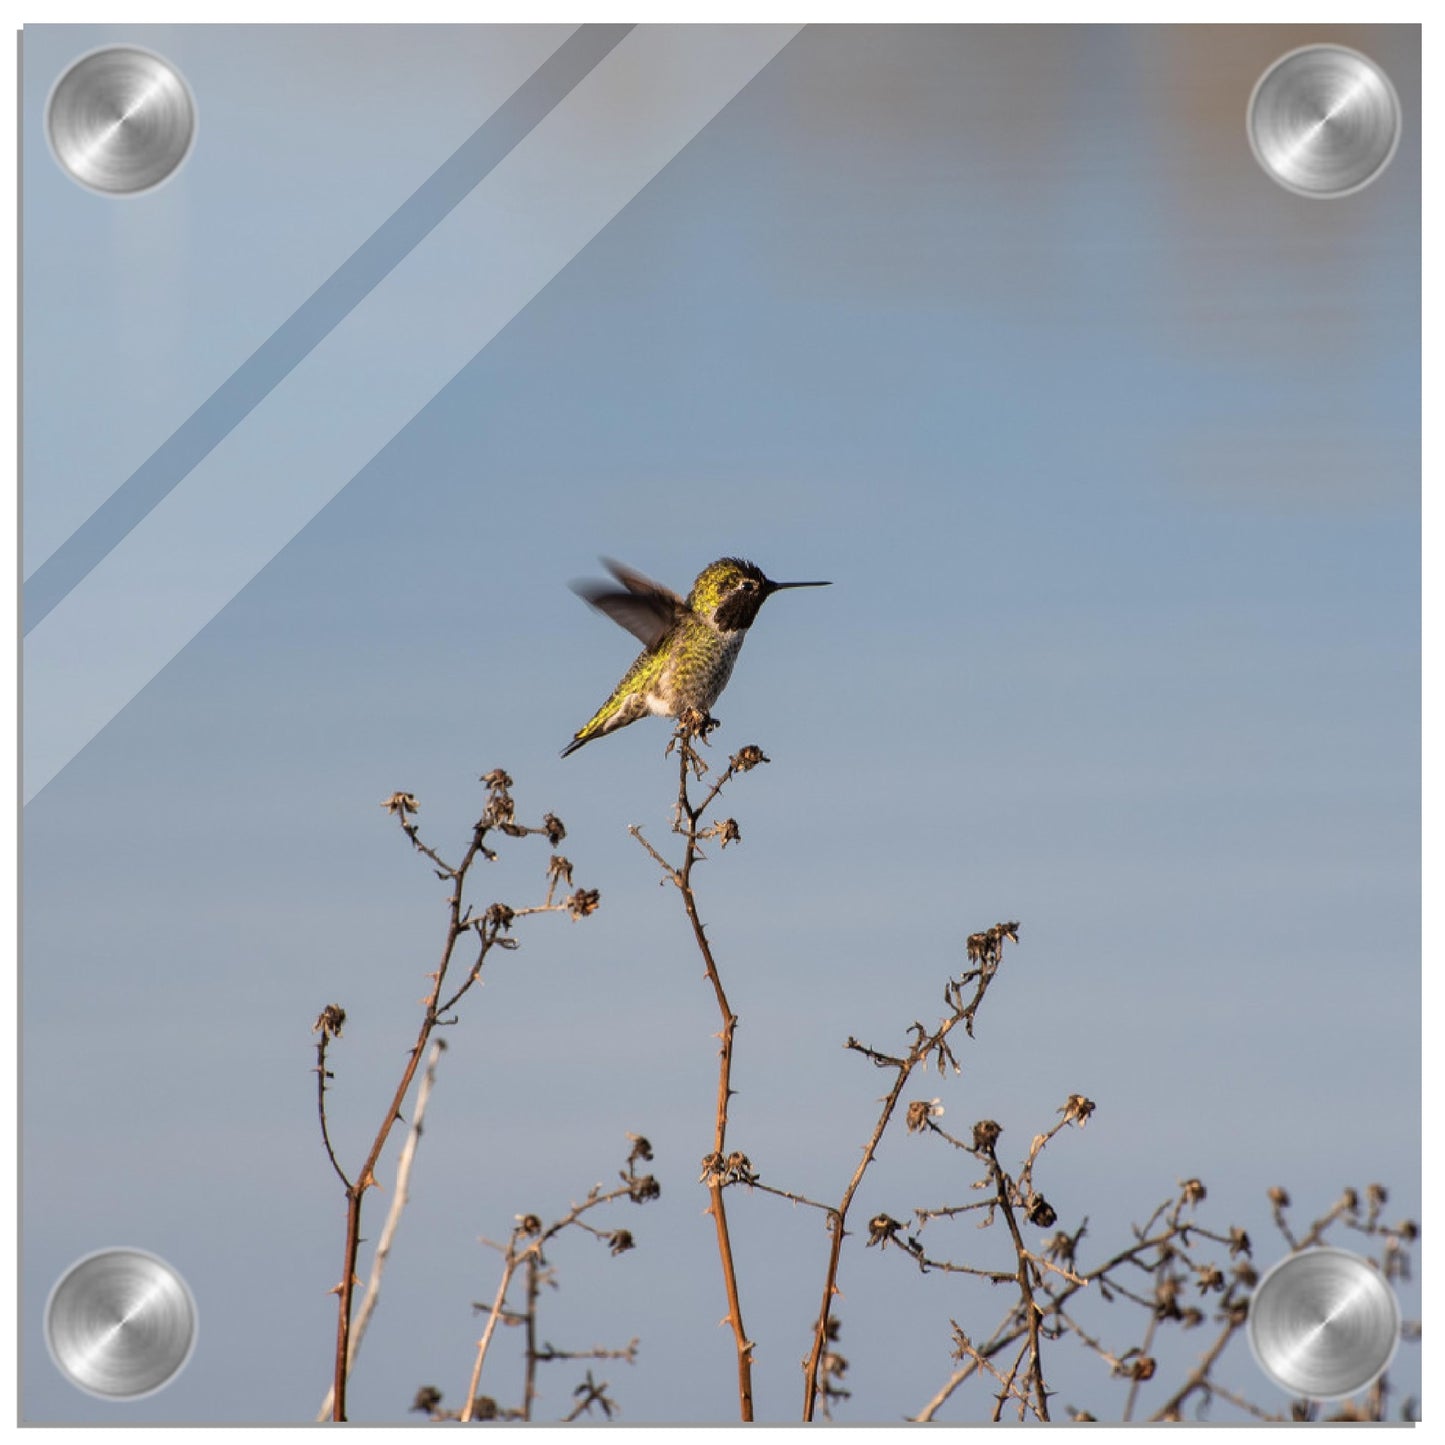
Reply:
x=641, y=1149
x=987, y=947
x=402, y=803
x=583, y=902
x=882, y=1228
x=1395, y=1263
x=620, y=1241
x=985, y=1134
x=500, y=808
x=427, y=1399
x=329, y=1021
x=642, y=1188
x=528, y=1225
x=738, y=1169
x=1077, y=1109
x=559, y=870
x=1166, y=1298
x=552, y=827
x=1192, y=1190
x=1210, y=1277
x=1041, y=1212
x=1279, y=1197
x=746, y=760
x=920, y=1111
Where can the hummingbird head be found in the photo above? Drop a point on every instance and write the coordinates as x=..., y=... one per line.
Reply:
x=729, y=592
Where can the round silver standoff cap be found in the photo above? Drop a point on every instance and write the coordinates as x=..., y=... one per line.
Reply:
x=1324, y=120
x=120, y=1323
x=120, y=120
x=1323, y=1323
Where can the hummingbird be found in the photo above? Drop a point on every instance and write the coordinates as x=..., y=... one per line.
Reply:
x=689, y=644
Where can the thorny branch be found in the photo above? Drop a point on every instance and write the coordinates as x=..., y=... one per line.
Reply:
x=718, y=1167
x=1164, y=1252
x=490, y=929
x=985, y=950
x=1026, y=1280
x=399, y=1197
x=525, y=1249
x=1011, y=1198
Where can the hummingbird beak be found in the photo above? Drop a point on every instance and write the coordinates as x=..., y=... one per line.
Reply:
x=770, y=586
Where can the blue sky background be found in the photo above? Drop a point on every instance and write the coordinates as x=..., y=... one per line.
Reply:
x=1111, y=449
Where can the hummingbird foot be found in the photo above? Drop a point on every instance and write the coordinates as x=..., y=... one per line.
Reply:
x=692, y=723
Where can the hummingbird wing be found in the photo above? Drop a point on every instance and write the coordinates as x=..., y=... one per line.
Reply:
x=647, y=609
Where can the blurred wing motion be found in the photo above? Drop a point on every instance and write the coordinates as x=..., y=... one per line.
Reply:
x=647, y=609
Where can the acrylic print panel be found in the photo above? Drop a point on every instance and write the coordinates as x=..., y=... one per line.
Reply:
x=346, y=349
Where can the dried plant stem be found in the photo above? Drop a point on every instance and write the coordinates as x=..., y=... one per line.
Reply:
x=1032, y=1313
x=529, y=1385
x=489, y=929
x=977, y=1361
x=509, y=1268
x=1199, y=1376
x=356, y=1190
x=1008, y=1332
x=1342, y=1207
x=716, y=1172
x=328, y=1026
x=837, y=1218
x=1240, y=1403
x=729, y=1020
x=940, y=1396
x=636, y=1187
x=1008, y=1385
x=1146, y=1345
x=400, y=1194
x=924, y=1044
